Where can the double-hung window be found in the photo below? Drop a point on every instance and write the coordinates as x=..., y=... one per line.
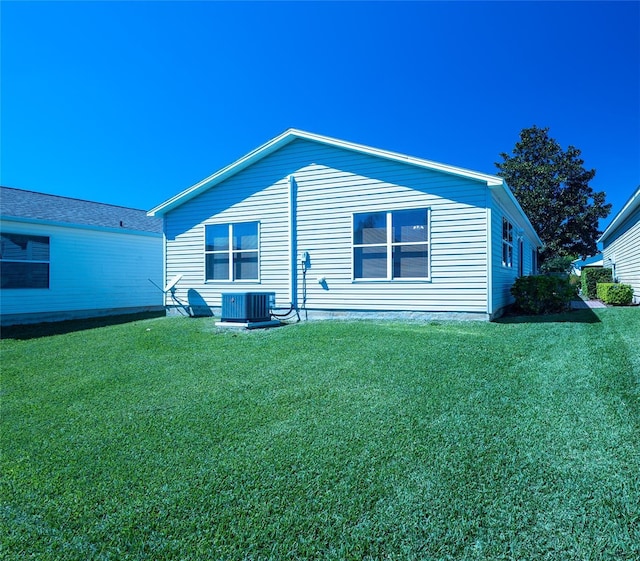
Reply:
x=24, y=261
x=391, y=245
x=231, y=252
x=507, y=243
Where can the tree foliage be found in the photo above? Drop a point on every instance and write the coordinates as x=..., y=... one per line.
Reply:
x=552, y=186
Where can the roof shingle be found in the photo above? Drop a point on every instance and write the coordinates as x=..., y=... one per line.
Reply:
x=19, y=203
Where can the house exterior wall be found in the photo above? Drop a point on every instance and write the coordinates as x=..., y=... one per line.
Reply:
x=92, y=272
x=503, y=277
x=622, y=247
x=331, y=185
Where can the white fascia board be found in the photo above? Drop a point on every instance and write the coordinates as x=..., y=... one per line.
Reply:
x=292, y=134
x=627, y=209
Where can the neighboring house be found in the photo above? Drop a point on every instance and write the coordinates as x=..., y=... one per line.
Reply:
x=621, y=245
x=579, y=264
x=63, y=258
x=345, y=230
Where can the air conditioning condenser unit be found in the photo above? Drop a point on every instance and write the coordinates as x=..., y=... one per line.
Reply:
x=247, y=307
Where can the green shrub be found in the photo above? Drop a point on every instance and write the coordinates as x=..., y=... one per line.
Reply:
x=620, y=295
x=591, y=276
x=601, y=287
x=543, y=294
x=615, y=294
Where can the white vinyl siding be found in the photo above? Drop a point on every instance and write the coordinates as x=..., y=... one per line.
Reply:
x=332, y=185
x=90, y=269
x=621, y=251
x=522, y=250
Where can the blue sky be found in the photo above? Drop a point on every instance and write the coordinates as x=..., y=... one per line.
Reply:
x=129, y=103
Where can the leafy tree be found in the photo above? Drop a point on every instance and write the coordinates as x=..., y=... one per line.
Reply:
x=552, y=186
x=558, y=264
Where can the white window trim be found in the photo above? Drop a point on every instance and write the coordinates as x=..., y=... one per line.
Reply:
x=389, y=245
x=230, y=251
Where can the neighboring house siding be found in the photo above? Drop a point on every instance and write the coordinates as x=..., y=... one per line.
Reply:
x=622, y=247
x=332, y=185
x=90, y=270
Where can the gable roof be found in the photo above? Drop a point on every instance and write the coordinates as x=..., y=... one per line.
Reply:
x=492, y=181
x=630, y=206
x=31, y=206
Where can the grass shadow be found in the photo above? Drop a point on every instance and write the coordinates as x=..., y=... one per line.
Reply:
x=583, y=315
x=37, y=330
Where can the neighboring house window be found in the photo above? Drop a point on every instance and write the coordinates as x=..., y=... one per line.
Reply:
x=507, y=243
x=231, y=251
x=391, y=245
x=24, y=261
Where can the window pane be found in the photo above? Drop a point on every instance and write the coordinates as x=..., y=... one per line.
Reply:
x=410, y=225
x=245, y=265
x=24, y=275
x=245, y=236
x=217, y=237
x=507, y=230
x=38, y=248
x=506, y=254
x=217, y=266
x=410, y=261
x=370, y=262
x=370, y=228
x=23, y=247
x=13, y=247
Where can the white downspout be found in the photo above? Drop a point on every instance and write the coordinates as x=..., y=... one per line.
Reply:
x=293, y=244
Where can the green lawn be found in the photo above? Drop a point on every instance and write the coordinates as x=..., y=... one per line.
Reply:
x=167, y=439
